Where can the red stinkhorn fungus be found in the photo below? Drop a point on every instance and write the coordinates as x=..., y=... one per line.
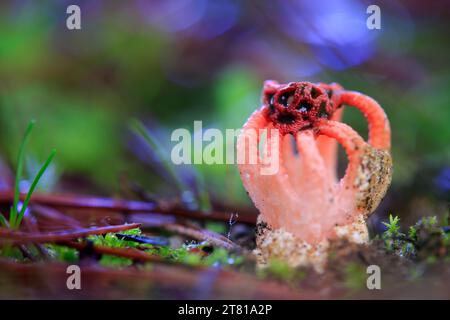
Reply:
x=303, y=206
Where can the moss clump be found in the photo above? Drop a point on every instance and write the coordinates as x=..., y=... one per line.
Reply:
x=115, y=262
x=355, y=276
x=194, y=254
x=112, y=240
x=203, y=254
x=281, y=270
x=427, y=240
x=62, y=253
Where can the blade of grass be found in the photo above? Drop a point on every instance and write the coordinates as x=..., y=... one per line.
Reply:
x=20, y=160
x=203, y=195
x=139, y=128
x=3, y=221
x=33, y=187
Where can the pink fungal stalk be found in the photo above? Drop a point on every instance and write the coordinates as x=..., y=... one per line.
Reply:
x=303, y=206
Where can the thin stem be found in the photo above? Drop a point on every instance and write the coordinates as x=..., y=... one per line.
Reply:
x=13, y=212
x=142, y=131
x=3, y=221
x=33, y=187
x=27, y=237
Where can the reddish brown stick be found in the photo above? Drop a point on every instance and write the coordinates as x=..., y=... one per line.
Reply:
x=203, y=235
x=24, y=237
x=82, y=202
x=125, y=206
x=130, y=253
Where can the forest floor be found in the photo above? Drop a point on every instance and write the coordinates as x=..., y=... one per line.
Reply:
x=144, y=250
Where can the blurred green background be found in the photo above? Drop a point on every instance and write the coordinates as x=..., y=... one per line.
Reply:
x=169, y=63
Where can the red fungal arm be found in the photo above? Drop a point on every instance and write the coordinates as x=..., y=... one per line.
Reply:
x=328, y=148
x=312, y=167
x=261, y=187
x=291, y=161
x=312, y=161
x=379, y=129
x=350, y=140
x=255, y=122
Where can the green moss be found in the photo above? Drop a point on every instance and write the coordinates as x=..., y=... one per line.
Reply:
x=132, y=232
x=62, y=253
x=281, y=270
x=194, y=254
x=169, y=253
x=115, y=262
x=111, y=240
x=426, y=240
x=221, y=256
x=11, y=252
x=192, y=259
x=392, y=236
x=355, y=276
